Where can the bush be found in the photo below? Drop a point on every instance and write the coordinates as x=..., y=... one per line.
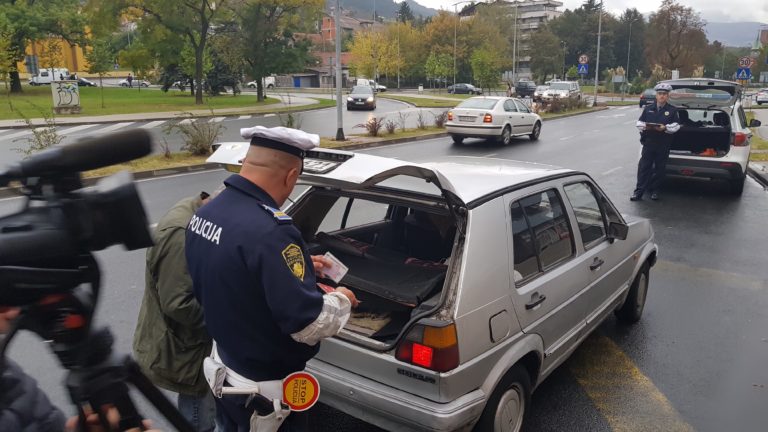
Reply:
x=42, y=137
x=391, y=126
x=373, y=125
x=421, y=121
x=198, y=136
x=440, y=119
x=401, y=121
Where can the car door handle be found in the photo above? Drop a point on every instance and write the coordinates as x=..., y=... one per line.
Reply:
x=596, y=264
x=536, y=299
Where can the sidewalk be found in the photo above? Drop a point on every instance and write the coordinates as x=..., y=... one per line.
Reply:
x=759, y=170
x=295, y=101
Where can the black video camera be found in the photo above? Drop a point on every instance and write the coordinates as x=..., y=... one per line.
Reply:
x=47, y=266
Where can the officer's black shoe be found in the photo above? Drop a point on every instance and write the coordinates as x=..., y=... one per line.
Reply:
x=654, y=196
x=636, y=196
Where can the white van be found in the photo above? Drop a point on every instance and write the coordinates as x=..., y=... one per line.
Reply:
x=47, y=76
x=366, y=82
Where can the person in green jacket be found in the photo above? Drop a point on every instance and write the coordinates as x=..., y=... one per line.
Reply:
x=171, y=341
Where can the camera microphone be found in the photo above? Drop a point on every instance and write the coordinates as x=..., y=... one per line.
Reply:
x=84, y=155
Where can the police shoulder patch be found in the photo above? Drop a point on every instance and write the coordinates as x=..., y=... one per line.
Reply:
x=294, y=258
x=279, y=215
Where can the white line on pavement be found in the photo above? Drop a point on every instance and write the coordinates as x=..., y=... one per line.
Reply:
x=612, y=170
x=153, y=124
x=115, y=127
x=75, y=129
x=270, y=115
x=491, y=155
x=567, y=137
x=216, y=120
x=18, y=134
x=186, y=121
x=244, y=117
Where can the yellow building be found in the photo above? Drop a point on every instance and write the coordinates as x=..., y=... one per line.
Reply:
x=53, y=52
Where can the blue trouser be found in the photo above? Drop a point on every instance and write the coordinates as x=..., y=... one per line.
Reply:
x=650, y=169
x=233, y=416
x=200, y=411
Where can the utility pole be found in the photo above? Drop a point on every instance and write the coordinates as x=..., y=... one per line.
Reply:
x=455, y=25
x=597, y=63
x=514, y=49
x=339, y=117
x=629, y=49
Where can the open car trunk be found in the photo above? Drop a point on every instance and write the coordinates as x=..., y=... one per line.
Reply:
x=703, y=132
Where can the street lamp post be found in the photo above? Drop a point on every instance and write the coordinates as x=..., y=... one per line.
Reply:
x=597, y=62
x=565, y=48
x=339, y=116
x=455, y=26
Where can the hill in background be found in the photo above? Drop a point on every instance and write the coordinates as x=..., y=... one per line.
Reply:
x=384, y=8
x=735, y=34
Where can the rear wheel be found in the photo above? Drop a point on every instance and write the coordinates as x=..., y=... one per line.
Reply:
x=737, y=186
x=506, y=136
x=536, y=132
x=457, y=139
x=632, y=309
x=507, y=407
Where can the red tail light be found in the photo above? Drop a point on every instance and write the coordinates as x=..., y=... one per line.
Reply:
x=740, y=139
x=487, y=118
x=450, y=116
x=430, y=347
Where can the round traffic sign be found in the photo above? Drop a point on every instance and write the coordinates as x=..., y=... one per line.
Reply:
x=746, y=62
x=300, y=391
x=583, y=59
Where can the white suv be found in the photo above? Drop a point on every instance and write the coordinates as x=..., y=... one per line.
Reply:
x=562, y=90
x=714, y=140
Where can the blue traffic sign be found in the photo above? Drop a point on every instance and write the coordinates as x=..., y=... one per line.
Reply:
x=583, y=69
x=743, y=73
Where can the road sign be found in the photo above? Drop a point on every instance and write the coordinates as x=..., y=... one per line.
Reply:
x=746, y=62
x=583, y=59
x=743, y=73
x=583, y=69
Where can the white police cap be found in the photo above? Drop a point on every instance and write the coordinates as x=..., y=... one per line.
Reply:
x=288, y=140
x=663, y=87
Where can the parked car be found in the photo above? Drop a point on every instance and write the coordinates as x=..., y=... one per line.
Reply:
x=361, y=97
x=47, y=76
x=647, y=97
x=525, y=88
x=369, y=82
x=84, y=82
x=464, y=89
x=538, y=95
x=136, y=83
x=268, y=83
x=498, y=118
x=714, y=140
x=478, y=277
x=762, y=96
x=562, y=90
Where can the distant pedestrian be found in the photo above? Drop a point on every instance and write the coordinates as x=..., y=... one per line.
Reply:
x=657, y=123
x=130, y=80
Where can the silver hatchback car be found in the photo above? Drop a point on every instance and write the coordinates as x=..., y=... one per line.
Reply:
x=477, y=278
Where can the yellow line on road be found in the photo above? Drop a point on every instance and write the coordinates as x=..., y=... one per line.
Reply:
x=628, y=400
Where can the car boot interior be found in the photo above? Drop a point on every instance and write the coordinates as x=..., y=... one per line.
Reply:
x=702, y=133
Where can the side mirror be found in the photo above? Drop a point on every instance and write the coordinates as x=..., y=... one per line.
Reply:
x=617, y=230
x=755, y=123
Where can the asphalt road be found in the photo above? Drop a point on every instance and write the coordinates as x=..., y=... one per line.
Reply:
x=697, y=359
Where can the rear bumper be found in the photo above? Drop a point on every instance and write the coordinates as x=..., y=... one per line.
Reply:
x=713, y=169
x=481, y=131
x=390, y=408
x=365, y=105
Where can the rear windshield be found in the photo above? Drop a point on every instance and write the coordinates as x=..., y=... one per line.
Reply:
x=560, y=86
x=479, y=103
x=649, y=92
x=362, y=90
x=702, y=94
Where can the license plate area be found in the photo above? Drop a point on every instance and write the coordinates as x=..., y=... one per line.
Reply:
x=467, y=118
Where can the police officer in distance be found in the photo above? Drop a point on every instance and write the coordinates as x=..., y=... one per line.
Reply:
x=657, y=123
x=256, y=281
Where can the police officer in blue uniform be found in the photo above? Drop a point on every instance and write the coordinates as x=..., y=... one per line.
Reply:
x=254, y=278
x=657, y=123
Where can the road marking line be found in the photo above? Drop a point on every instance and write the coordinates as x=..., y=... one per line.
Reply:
x=75, y=129
x=153, y=124
x=216, y=120
x=567, y=137
x=186, y=121
x=18, y=134
x=490, y=155
x=115, y=127
x=244, y=117
x=628, y=400
x=270, y=115
x=612, y=170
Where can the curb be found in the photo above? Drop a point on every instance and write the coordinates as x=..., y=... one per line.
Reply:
x=759, y=172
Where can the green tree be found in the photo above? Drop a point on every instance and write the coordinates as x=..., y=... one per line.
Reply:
x=572, y=72
x=138, y=58
x=404, y=12
x=486, y=67
x=100, y=59
x=631, y=19
x=544, y=41
x=438, y=66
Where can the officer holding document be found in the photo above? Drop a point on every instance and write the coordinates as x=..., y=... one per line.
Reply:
x=256, y=282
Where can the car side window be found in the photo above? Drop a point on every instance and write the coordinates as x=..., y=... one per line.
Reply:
x=540, y=230
x=509, y=106
x=742, y=118
x=521, y=107
x=589, y=216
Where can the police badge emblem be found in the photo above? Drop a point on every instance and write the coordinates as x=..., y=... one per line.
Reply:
x=294, y=258
x=666, y=113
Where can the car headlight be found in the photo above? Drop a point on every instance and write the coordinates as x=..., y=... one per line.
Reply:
x=370, y=99
x=349, y=99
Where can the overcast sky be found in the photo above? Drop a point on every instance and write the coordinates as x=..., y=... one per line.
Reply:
x=711, y=10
